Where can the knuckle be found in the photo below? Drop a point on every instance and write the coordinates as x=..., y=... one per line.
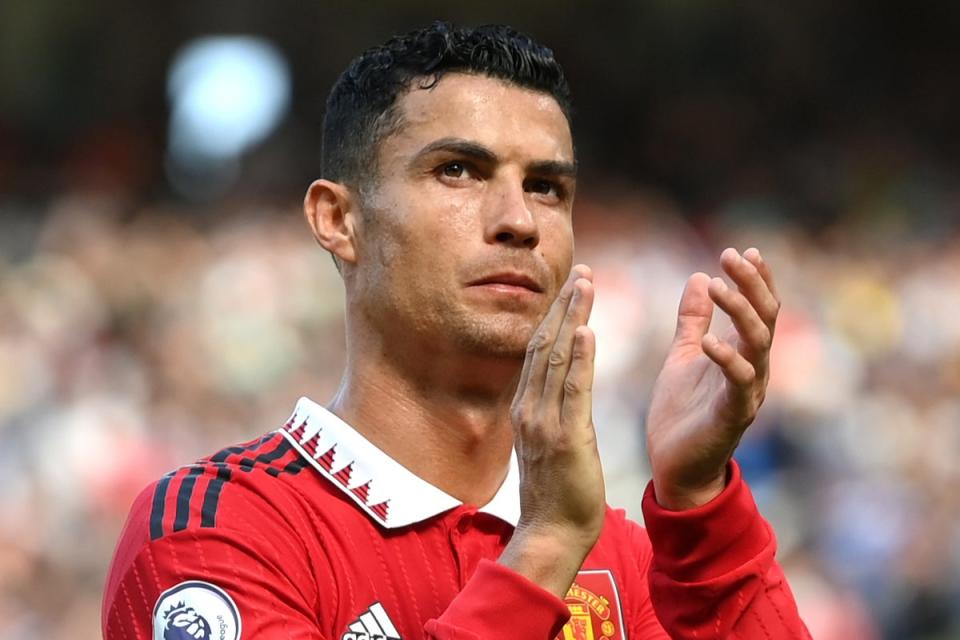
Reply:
x=557, y=358
x=520, y=417
x=572, y=386
x=542, y=422
x=764, y=338
x=539, y=342
x=769, y=316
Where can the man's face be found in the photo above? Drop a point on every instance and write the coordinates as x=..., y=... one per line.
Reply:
x=466, y=236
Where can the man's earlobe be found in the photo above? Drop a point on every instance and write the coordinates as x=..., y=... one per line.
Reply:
x=329, y=210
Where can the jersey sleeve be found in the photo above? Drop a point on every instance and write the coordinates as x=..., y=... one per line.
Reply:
x=499, y=603
x=714, y=573
x=208, y=582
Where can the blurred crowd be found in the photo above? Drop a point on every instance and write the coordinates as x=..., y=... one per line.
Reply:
x=143, y=325
x=136, y=339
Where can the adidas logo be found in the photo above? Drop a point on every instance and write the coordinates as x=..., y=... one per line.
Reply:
x=372, y=624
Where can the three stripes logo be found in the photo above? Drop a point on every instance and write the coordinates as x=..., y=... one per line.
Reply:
x=192, y=493
x=372, y=624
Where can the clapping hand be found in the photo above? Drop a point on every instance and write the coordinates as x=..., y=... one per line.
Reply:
x=711, y=387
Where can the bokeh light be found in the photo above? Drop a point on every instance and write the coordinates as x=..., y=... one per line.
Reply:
x=227, y=94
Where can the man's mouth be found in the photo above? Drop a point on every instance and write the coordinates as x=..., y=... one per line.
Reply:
x=509, y=279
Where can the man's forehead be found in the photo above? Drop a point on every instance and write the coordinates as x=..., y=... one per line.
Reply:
x=489, y=110
x=475, y=87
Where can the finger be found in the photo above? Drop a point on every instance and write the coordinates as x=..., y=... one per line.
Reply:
x=734, y=366
x=695, y=312
x=577, y=408
x=535, y=362
x=755, y=336
x=748, y=279
x=766, y=272
x=561, y=300
x=558, y=362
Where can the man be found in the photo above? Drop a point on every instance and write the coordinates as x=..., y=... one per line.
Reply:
x=400, y=510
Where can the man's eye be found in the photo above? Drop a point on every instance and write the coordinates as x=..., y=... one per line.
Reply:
x=454, y=170
x=543, y=186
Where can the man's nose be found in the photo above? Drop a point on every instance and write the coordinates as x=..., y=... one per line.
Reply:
x=511, y=221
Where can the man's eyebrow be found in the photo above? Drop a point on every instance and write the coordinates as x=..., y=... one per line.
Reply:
x=470, y=149
x=458, y=146
x=558, y=168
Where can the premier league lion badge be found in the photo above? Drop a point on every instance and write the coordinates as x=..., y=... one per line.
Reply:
x=594, y=604
x=195, y=610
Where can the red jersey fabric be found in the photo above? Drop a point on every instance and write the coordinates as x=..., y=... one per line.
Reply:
x=313, y=532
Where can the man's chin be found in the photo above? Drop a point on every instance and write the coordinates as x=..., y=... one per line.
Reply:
x=497, y=341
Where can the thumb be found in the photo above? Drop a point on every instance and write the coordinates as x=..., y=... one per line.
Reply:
x=695, y=313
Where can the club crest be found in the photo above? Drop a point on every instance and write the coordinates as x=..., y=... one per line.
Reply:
x=195, y=610
x=595, y=612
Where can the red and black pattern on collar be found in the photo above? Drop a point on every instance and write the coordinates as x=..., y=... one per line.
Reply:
x=308, y=443
x=191, y=494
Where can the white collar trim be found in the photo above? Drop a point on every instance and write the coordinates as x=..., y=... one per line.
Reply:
x=387, y=491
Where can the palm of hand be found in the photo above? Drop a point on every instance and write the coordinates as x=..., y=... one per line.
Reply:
x=709, y=389
x=695, y=421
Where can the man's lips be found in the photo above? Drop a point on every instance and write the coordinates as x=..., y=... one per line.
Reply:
x=510, y=279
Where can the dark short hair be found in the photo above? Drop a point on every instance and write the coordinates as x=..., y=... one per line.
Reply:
x=361, y=109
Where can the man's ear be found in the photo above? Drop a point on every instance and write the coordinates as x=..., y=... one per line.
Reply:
x=331, y=211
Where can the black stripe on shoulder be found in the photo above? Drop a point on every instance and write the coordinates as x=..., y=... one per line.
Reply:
x=183, y=498
x=247, y=464
x=158, y=508
x=214, y=489
x=293, y=468
x=211, y=498
x=223, y=454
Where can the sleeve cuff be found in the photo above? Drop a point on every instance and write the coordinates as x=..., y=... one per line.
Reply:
x=498, y=603
x=709, y=541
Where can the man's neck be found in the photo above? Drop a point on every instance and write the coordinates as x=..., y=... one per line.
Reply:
x=448, y=423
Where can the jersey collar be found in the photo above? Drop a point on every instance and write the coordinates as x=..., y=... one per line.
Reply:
x=387, y=491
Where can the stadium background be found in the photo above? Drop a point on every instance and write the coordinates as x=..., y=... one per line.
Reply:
x=160, y=295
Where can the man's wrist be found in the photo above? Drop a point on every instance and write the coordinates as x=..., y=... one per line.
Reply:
x=710, y=541
x=672, y=497
x=549, y=559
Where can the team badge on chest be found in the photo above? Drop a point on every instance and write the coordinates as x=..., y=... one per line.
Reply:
x=595, y=612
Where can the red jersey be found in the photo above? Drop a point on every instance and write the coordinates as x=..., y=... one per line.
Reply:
x=313, y=532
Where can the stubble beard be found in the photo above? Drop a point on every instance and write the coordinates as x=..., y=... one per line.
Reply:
x=455, y=328
x=502, y=335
